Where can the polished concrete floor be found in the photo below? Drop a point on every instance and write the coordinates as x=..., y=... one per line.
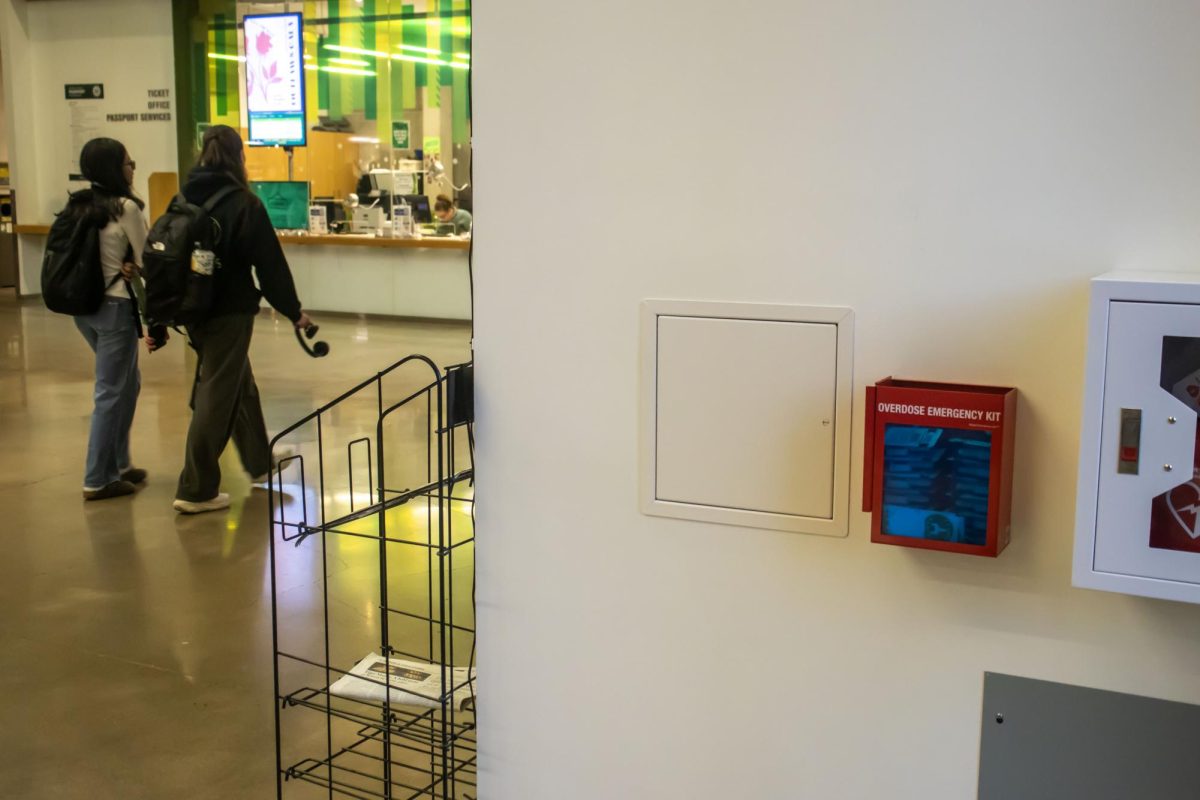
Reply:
x=135, y=644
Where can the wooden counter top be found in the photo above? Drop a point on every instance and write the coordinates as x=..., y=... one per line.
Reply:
x=332, y=240
x=362, y=240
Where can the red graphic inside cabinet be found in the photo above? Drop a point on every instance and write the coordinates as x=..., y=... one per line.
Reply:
x=1175, y=515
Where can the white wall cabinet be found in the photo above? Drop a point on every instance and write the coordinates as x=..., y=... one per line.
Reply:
x=1137, y=523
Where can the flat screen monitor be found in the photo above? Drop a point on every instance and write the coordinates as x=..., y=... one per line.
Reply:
x=286, y=202
x=422, y=215
x=394, y=183
x=274, y=52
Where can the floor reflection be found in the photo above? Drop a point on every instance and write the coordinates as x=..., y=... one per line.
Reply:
x=133, y=636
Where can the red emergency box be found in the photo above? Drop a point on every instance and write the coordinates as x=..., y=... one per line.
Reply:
x=938, y=465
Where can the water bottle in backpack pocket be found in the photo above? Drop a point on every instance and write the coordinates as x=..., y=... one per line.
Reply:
x=198, y=289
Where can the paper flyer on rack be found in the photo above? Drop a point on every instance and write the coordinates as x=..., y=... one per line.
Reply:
x=412, y=683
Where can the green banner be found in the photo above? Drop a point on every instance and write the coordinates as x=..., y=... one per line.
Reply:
x=401, y=135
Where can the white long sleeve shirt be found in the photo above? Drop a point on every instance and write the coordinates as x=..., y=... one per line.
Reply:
x=128, y=230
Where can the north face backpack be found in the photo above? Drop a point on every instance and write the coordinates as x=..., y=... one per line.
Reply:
x=72, y=278
x=178, y=261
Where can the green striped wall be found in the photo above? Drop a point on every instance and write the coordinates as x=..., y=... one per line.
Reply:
x=378, y=25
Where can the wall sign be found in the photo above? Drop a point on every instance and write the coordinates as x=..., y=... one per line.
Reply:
x=401, y=135
x=92, y=114
x=158, y=105
x=84, y=91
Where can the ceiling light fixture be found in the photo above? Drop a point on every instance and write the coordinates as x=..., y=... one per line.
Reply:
x=366, y=73
x=430, y=50
x=337, y=48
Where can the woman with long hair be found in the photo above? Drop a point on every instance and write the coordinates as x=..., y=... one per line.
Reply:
x=448, y=213
x=112, y=331
x=225, y=398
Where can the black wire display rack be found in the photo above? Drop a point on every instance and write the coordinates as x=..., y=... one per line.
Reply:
x=372, y=585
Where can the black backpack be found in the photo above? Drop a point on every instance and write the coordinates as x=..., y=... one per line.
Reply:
x=176, y=293
x=72, y=278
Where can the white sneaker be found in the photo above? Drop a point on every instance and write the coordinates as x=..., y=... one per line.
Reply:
x=188, y=507
x=280, y=454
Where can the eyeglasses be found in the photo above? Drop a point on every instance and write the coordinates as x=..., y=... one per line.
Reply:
x=131, y=164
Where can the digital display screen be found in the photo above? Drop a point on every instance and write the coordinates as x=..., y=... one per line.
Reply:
x=286, y=203
x=274, y=51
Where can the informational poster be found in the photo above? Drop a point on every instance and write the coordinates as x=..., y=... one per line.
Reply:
x=274, y=52
x=401, y=135
x=85, y=119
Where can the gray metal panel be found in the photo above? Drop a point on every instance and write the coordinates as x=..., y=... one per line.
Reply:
x=1062, y=742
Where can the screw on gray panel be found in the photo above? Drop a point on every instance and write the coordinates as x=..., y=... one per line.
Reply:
x=1171, y=420
x=1167, y=467
x=999, y=719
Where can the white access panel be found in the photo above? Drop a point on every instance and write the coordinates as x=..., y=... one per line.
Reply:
x=745, y=414
x=1137, y=528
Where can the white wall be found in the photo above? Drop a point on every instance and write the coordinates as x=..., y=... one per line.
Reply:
x=15, y=81
x=124, y=44
x=3, y=115
x=954, y=171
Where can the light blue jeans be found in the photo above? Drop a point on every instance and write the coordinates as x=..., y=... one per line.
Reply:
x=111, y=334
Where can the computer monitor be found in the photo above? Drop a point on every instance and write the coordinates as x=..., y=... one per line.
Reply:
x=275, y=80
x=286, y=202
x=391, y=181
x=364, y=187
x=419, y=203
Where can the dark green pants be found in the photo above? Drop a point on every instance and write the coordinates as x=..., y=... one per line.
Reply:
x=224, y=403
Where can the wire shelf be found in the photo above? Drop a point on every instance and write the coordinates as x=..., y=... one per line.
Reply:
x=397, y=750
x=360, y=770
x=422, y=727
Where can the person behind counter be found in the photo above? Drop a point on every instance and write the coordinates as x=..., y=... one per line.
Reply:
x=448, y=212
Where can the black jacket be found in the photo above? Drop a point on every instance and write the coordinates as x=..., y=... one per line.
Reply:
x=247, y=240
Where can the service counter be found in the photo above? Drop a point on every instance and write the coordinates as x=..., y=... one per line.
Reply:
x=425, y=278
x=354, y=274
